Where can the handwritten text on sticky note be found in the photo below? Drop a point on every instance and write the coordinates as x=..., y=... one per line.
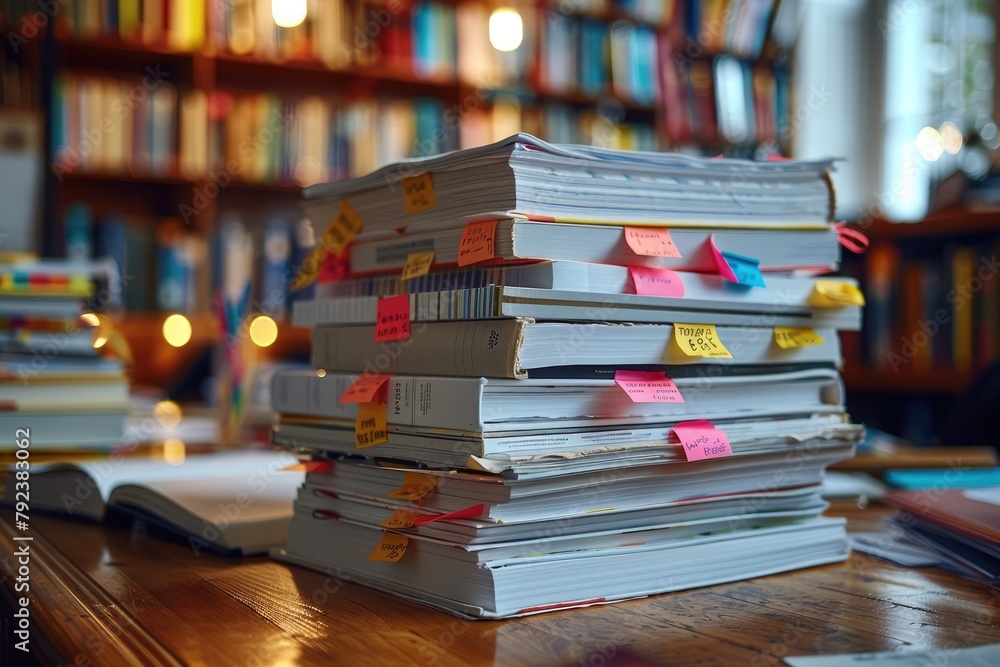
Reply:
x=700, y=439
x=415, y=486
x=700, y=340
x=365, y=388
x=789, y=338
x=390, y=548
x=370, y=427
x=342, y=228
x=418, y=193
x=399, y=519
x=650, y=281
x=648, y=387
x=392, y=318
x=417, y=264
x=651, y=241
x=478, y=242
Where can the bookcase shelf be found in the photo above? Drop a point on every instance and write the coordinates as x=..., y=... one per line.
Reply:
x=905, y=382
x=951, y=222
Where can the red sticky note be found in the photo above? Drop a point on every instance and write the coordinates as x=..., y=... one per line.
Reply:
x=774, y=157
x=701, y=440
x=648, y=387
x=333, y=269
x=477, y=243
x=650, y=281
x=392, y=318
x=364, y=389
x=651, y=241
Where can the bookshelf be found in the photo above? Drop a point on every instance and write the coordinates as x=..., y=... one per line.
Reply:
x=619, y=72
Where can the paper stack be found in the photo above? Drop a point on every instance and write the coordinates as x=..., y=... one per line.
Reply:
x=555, y=376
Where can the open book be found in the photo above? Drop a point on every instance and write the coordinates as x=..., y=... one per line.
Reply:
x=236, y=503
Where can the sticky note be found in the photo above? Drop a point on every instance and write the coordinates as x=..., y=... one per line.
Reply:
x=390, y=548
x=418, y=193
x=774, y=157
x=392, y=318
x=700, y=439
x=415, y=486
x=310, y=269
x=365, y=388
x=344, y=227
x=649, y=281
x=417, y=264
x=478, y=242
x=736, y=268
x=308, y=466
x=370, y=427
x=789, y=338
x=648, y=387
x=700, y=340
x=333, y=268
x=399, y=519
x=651, y=241
x=835, y=294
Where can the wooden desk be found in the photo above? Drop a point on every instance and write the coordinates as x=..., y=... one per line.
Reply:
x=109, y=595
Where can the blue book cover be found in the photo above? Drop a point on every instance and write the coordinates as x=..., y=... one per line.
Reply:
x=78, y=232
x=110, y=244
x=276, y=266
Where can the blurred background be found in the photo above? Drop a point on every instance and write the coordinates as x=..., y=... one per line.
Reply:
x=169, y=140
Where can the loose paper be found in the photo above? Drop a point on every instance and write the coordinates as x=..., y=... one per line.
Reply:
x=415, y=486
x=648, y=387
x=701, y=440
x=478, y=242
x=370, y=427
x=365, y=388
x=650, y=281
x=651, y=241
x=417, y=264
x=418, y=193
x=390, y=548
x=700, y=340
x=392, y=318
x=789, y=338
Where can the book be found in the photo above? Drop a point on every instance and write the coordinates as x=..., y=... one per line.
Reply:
x=570, y=183
x=235, y=503
x=522, y=347
x=776, y=250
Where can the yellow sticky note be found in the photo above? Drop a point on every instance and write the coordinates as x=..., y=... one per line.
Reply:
x=344, y=227
x=418, y=193
x=418, y=264
x=700, y=340
x=789, y=338
x=370, y=427
x=310, y=268
x=390, y=548
x=415, y=486
x=835, y=294
x=399, y=519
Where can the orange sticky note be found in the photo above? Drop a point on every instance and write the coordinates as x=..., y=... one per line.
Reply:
x=400, y=519
x=415, y=486
x=390, y=548
x=365, y=388
x=418, y=193
x=308, y=466
x=478, y=242
x=392, y=318
x=417, y=264
x=649, y=281
x=648, y=387
x=310, y=269
x=370, y=427
x=701, y=440
x=344, y=227
x=651, y=241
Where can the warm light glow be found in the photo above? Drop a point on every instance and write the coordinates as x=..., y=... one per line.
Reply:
x=263, y=331
x=177, y=330
x=288, y=13
x=174, y=452
x=320, y=373
x=167, y=414
x=506, y=29
x=90, y=319
x=951, y=137
x=929, y=144
x=99, y=342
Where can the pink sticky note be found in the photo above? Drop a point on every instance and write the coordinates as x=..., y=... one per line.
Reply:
x=648, y=387
x=701, y=440
x=392, y=318
x=651, y=241
x=725, y=270
x=650, y=281
x=774, y=157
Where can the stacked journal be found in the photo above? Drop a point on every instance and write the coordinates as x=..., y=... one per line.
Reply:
x=55, y=386
x=556, y=376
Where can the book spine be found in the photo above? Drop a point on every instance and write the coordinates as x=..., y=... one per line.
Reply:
x=486, y=348
x=438, y=402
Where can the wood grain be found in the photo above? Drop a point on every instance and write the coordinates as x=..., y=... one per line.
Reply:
x=124, y=595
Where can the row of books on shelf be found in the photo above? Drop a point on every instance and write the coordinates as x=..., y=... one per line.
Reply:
x=18, y=83
x=934, y=310
x=160, y=265
x=107, y=126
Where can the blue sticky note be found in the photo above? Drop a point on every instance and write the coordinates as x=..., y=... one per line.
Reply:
x=746, y=269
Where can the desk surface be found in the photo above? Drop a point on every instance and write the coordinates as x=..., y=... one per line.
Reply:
x=116, y=596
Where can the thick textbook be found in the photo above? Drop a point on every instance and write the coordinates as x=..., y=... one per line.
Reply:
x=481, y=405
x=237, y=503
x=522, y=347
x=529, y=178
x=775, y=249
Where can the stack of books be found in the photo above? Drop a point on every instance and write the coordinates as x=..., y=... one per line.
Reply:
x=56, y=390
x=555, y=376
